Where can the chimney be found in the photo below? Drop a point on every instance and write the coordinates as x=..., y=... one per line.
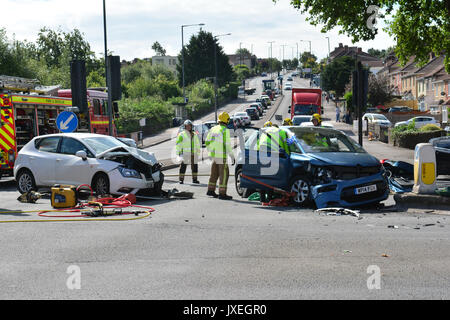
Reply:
x=340, y=45
x=359, y=50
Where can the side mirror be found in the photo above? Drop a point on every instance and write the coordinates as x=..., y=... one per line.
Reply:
x=82, y=154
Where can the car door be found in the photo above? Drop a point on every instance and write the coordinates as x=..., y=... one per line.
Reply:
x=43, y=162
x=71, y=169
x=263, y=168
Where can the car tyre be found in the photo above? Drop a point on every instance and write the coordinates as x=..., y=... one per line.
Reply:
x=25, y=181
x=100, y=184
x=242, y=192
x=301, y=186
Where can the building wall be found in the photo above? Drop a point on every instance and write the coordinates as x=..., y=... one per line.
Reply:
x=169, y=61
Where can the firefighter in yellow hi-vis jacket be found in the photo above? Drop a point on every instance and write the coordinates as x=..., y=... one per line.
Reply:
x=188, y=148
x=218, y=144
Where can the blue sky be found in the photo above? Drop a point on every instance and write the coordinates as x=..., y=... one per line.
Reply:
x=133, y=25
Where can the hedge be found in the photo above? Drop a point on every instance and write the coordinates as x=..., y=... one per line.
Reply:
x=409, y=139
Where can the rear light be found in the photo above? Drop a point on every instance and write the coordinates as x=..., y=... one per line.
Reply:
x=11, y=156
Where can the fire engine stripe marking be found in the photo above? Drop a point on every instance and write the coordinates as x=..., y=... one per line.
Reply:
x=99, y=122
x=4, y=144
x=10, y=129
x=7, y=137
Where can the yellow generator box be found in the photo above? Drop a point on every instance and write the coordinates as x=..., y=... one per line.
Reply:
x=64, y=196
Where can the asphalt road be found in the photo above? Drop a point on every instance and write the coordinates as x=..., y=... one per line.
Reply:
x=206, y=248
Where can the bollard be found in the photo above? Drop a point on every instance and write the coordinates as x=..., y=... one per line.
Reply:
x=424, y=169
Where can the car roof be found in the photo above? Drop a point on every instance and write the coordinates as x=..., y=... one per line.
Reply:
x=78, y=135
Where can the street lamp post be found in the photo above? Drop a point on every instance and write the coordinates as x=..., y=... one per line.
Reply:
x=182, y=52
x=310, y=71
x=216, y=73
x=328, y=47
x=107, y=75
x=270, y=65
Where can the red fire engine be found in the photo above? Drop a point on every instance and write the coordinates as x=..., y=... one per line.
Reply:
x=26, y=114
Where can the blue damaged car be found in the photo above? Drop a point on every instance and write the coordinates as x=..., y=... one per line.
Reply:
x=324, y=167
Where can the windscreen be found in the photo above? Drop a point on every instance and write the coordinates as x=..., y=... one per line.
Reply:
x=305, y=109
x=101, y=144
x=314, y=140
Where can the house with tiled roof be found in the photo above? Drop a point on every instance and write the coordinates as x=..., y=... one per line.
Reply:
x=428, y=90
x=375, y=64
x=408, y=78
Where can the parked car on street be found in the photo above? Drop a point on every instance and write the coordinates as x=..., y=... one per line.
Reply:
x=267, y=99
x=376, y=118
x=106, y=164
x=253, y=113
x=298, y=120
x=323, y=124
x=210, y=124
x=325, y=167
x=400, y=109
x=263, y=102
x=258, y=107
x=442, y=147
x=419, y=121
x=244, y=117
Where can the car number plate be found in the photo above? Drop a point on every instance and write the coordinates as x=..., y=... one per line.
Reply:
x=366, y=189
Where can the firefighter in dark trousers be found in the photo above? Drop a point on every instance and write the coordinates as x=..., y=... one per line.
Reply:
x=188, y=149
x=219, y=147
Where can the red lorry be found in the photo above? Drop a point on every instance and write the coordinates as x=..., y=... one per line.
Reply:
x=306, y=101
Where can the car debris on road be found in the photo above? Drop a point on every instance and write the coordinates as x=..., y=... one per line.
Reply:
x=338, y=211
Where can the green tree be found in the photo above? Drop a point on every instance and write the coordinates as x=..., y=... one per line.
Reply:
x=242, y=71
x=199, y=60
x=418, y=26
x=157, y=47
x=378, y=91
x=15, y=57
x=336, y=75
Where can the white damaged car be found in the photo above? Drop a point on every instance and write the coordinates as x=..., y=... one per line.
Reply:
x=108, y=165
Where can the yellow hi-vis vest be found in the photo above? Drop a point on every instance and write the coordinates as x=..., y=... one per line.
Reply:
x=187, y=146
x=218, y=142
x=279, y=138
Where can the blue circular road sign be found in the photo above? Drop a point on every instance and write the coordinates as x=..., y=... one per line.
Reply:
x=67, y=121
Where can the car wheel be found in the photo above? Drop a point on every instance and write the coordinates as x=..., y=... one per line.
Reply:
x=25, y=181
x=243, y=192
x=301, y=187
x=100, y=184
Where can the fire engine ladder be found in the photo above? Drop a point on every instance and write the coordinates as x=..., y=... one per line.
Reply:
x=17, y=83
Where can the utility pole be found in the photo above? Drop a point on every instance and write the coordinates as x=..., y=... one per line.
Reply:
x=283, y=45
x=328, y=48
x=270, y=64
x=108, y=76
x=216, y=73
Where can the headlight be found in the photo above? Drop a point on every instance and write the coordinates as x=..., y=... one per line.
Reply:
x=129, y=173
x=324, y=175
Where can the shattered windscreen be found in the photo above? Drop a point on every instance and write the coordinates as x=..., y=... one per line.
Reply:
x=313, y=141
x=101, y=144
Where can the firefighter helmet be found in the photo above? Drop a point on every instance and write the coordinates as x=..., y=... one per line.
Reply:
x=317, y=117
x=287, y=122
x=267, y=124
x=224, y=117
